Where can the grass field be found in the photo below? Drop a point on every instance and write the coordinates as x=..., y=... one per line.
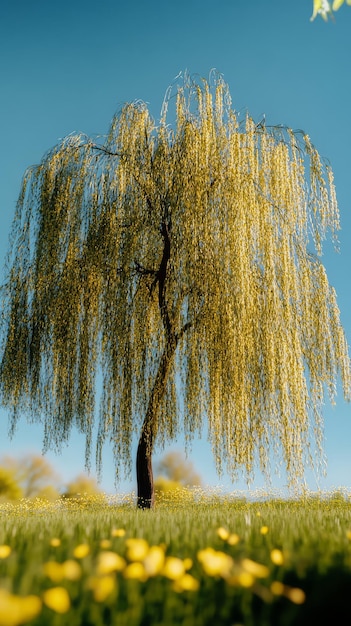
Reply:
x=193, y=561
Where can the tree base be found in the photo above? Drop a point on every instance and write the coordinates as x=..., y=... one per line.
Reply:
x=143, y=503
x=145, y=480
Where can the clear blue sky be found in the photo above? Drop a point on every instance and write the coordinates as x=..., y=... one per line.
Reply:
x=67, y=66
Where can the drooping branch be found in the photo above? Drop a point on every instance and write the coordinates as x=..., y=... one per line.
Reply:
x=161, y=279
x=144, y=271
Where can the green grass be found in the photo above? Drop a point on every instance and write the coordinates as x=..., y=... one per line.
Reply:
x=310, y=582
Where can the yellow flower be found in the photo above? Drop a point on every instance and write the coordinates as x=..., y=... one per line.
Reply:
x=30, y=607
x=154, y=560
x=215, y=563
x=222, y=533
x=57, y=599
x=295, y=595
x=105, y=544
x=277, y=588
x=109, y=562
x=5, y=551
x=135, y=571
x=102, y=587
x=174, y=568
x=187, y=582
x=118, y=532
x=81, y=551
x=16, y=610
x=71, y=570
x=233, y=539
x=54, y=571
x=55, y=542
x=264, y=530
x=256, y=569
x=245, y=579
x=188, y=563
x=277, y=557
x=348, y=534
x=137, y=549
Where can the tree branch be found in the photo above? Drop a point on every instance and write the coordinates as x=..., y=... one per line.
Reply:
x=183, y=330
x=144, y=271
x=161, y=279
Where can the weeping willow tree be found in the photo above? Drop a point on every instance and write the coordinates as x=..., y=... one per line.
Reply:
x=180, y=264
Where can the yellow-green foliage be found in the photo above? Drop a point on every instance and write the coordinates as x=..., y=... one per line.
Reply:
x=34, y=475
x=325, y=9
x=245, y=312
x=9, y=487
x=82, y=486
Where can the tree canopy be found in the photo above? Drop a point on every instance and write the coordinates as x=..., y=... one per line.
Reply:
x=180, y=263
x=179, y=470
x=34, y=474
x=9, y=487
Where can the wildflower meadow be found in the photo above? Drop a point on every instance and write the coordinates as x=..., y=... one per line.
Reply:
x=195, y=560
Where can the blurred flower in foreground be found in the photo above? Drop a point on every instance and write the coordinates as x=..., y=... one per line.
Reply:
x=109, y=562
x=137, y=549
x=215, y=562
x=16, y=610
x=294, y=594
x=81, y=551
x=277, y=588
x=231, y=538
x=5, y=551
x=256, y=569
x=135, y=571
x=186, y=583
x=223, y=533
x=277, y=557
x=55, y=542
x=264, y=530
x=154, y=560
x=54, y=571
x=242, y=579
x=102, y=587
x=175, y=568
x=118, y=532
x=57, y=599
x=70, y=569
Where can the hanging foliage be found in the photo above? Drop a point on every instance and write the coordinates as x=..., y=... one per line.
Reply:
x=325, y=9
x=181, y=262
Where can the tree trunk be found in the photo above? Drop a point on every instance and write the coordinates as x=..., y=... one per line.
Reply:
x=145, y=482
x=146, y=492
